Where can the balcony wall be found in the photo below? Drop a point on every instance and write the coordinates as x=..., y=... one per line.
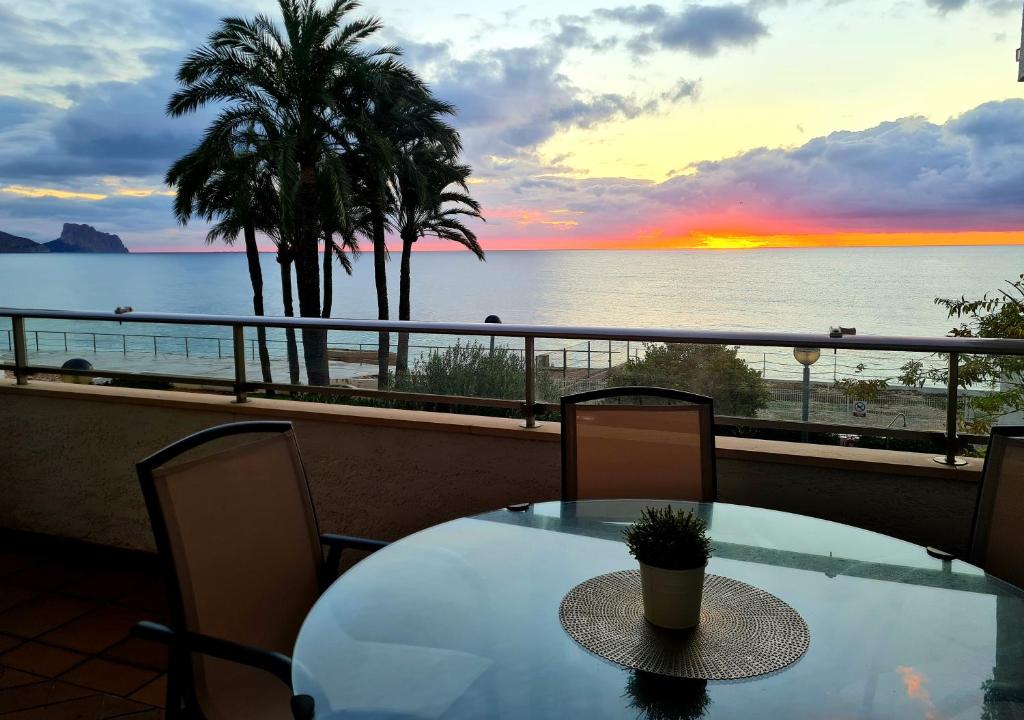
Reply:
x=67, y=457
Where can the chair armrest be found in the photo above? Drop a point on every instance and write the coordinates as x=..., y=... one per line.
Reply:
x=349, y=542
x=940, y=554
x=280, y=666
x=336, y=543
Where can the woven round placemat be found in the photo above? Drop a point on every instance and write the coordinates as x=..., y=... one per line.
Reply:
x=743, y=631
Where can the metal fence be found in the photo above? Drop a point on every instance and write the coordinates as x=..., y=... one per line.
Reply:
x=529, y=406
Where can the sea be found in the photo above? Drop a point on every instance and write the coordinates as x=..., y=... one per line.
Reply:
x=885, y=291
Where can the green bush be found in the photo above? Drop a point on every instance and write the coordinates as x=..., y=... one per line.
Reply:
x=712, y=370
x=470, y=370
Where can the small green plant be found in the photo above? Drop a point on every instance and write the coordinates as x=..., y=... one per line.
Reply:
x=669, y=539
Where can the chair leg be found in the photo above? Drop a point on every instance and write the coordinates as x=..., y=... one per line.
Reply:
x=175, y=703
x=303, y=707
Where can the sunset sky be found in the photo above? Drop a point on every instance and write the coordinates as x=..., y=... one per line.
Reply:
x=597, y=124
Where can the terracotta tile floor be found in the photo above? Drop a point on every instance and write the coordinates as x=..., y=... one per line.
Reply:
x=65, y=653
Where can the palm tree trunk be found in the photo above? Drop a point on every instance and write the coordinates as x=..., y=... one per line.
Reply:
x=380, y=254
x=252, y=255
x=289, y=311
x=328, y=277
x=404, y=303
x=307, y=275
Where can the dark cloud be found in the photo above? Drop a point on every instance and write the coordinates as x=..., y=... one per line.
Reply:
x=574, y=32
x=702, y=30
x=996, y=7
x=900, y=176
x=110, y=128
x=640, y=15
x=16, y=111
x=683, y=90
x=904, y=174
x=510, y=100
x=93, y=41
x=41, y=218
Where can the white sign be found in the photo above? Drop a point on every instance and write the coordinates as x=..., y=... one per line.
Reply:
x=860, y=408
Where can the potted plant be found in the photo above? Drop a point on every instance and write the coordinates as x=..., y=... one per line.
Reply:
x=673, y=548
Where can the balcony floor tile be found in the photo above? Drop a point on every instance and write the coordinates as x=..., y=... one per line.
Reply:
x=65, y=651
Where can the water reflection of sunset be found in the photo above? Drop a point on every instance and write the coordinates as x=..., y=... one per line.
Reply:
x=914, y=682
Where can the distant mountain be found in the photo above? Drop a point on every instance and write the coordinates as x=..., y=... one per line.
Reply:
x=85, y=239
x=73, y=239
x=14, y=244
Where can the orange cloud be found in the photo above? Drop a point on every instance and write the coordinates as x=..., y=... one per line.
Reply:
x=557, y=218
x=41, y=192
x=143, y=192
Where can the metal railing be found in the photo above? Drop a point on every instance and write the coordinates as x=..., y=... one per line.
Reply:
x=529, y=406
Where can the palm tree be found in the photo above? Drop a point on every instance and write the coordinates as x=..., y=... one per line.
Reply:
x=433, y=199
x=334, y=219
x=286, y=86
x=227, y=182
x=392, y=114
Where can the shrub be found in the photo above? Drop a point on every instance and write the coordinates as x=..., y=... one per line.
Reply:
x=713, y=370
x=470, y=370
x=473, y=370
x=669, y=539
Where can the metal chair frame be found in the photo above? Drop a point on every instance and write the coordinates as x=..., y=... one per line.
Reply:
x=182, y=701
x=986, y=495
x=705, y=403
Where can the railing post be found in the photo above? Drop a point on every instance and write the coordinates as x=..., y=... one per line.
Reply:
x=530, y=416
x=154, y=346
x=588, y=358
x=609, y=354
x=565, y=364
x=65, y=341
x=238, y=337
x=186, y=346
x=952, y=401
x=124, y=344
x=20, y=353
x=94, y=343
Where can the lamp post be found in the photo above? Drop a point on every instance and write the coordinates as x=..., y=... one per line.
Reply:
x=492, y=319
x=806, y=357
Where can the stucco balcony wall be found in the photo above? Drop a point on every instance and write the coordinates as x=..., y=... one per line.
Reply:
x=68, y=453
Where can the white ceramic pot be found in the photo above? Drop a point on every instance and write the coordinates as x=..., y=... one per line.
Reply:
x=672, y=597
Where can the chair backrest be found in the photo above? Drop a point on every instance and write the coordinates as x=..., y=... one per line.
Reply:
x=638, y=442
x=997, y=540
x=236, y=531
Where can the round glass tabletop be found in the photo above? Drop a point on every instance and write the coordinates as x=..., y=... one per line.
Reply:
x=461, y=621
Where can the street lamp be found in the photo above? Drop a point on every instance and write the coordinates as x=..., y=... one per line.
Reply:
x=806, y=356
x=492, y=319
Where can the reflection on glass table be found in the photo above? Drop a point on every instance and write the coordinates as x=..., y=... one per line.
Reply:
x=461, y=621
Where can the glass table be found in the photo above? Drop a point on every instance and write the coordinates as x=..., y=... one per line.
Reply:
x=461, y=621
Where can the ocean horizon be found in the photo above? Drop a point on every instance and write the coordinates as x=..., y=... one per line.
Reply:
x=879, y=290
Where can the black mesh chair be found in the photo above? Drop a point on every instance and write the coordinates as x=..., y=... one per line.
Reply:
x=244, y=562
x=638, y=442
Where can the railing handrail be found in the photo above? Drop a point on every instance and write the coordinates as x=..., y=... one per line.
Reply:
x=993, y=346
